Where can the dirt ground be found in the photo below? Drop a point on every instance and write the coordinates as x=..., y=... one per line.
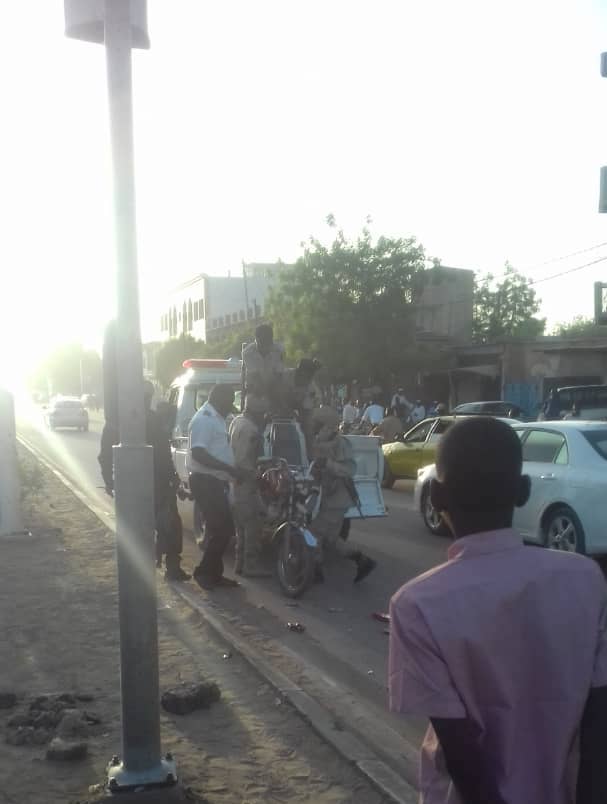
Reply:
x=58, y=617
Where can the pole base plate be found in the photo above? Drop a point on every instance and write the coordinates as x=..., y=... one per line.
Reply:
x=121, y=780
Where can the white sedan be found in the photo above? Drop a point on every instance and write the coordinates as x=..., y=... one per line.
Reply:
x=567, y=509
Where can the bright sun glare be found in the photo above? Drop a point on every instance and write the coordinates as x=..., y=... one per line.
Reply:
x=483, y=140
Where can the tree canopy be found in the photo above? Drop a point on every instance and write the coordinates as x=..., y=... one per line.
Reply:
x=578, y=326
x=71, y=370
x=171, y=354
x=506, y=307
x=350, y=304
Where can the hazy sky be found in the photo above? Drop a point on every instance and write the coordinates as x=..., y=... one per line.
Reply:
x=477, y=126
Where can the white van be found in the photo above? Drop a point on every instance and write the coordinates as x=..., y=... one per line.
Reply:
x=190, y=391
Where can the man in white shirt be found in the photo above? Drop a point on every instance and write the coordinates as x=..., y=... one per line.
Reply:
x=349, y=413
x=373, y=414
x=418, y=413
x=211, y=466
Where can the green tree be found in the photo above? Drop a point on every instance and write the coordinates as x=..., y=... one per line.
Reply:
x=506, y=307
x=578, y=326
x=171, y=354
x=350, y=304
x=69, y=369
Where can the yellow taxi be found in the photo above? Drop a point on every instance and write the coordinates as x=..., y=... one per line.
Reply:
x=416, y=449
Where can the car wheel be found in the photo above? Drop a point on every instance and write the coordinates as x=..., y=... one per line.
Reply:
x=432, y=519
x=388, y=480
x=563, y=531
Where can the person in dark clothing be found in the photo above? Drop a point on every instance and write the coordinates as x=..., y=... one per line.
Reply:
x=169, y=529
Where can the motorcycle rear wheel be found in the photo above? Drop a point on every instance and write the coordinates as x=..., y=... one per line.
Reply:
x=294, y=563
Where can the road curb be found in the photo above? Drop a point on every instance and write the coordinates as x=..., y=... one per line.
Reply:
x=321, y=720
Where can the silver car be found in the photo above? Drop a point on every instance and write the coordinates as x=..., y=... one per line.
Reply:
x=67, y=411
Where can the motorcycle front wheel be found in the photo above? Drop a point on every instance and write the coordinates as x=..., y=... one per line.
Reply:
x=295, y=563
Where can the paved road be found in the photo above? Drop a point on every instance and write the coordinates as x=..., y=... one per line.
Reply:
x=342, y=641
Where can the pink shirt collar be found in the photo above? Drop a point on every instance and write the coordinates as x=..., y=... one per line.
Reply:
x=490, y=541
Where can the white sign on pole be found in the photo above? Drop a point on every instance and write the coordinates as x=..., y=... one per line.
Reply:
x=85, y=20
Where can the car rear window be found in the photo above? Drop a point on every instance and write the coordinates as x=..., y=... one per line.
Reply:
x=542, y=446
x=598, y=441
x=68, y=403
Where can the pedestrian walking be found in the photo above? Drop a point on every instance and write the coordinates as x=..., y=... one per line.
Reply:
x=169, y=528
x=211, y=467
x=246, y=439
x=373, y=414
x=349, y=413
x=418, y=413
x=503, y=647
x=400, y=405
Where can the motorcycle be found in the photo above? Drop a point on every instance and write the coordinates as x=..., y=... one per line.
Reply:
x=291, y=500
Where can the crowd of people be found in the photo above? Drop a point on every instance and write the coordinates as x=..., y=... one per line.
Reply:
x=223, y=455
x=503, y=648
x=389, y=421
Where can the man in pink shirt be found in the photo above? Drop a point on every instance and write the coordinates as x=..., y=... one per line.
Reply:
x=503, y=647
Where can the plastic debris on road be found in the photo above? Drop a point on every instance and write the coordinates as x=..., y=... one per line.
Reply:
x=297, y=627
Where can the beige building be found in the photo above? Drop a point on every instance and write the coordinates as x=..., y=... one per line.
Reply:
x=445, y=304
x=207, y=307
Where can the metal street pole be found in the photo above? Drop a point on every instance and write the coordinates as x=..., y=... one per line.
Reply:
x=141, y=764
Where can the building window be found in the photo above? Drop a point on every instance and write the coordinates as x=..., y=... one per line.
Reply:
x=195, y=311
x=201, y=308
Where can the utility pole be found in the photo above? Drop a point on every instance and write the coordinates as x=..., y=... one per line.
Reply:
x=246, y=289
x=121, y=25
x=603, y=190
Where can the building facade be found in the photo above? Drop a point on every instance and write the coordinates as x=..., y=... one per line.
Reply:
x=445, y=304
x=209, y=307
x=519, y=371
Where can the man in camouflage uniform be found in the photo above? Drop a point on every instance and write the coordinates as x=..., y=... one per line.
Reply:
x=263, y=368
x=334, y=454
x=246, y=438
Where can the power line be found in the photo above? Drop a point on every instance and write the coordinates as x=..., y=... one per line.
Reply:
x=566, y=256
x=568, y=271
x=548, y=262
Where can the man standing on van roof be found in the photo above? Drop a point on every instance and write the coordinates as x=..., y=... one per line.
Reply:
x=503, y=647
x=263, y=367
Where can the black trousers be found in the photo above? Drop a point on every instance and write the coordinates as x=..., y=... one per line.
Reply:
x=211, y=495
x=169, y=532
